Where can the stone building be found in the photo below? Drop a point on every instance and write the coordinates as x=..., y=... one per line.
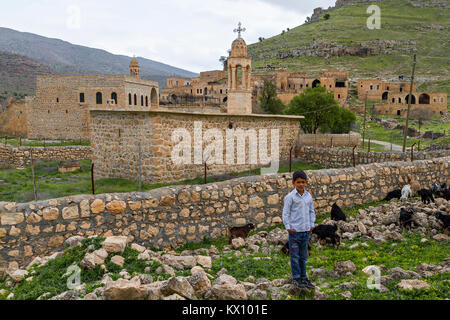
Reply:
x=395, y=97
x=60, y=109
x=117, y=133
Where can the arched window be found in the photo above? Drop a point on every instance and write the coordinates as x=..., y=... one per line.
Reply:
x=413, y=99
x=129, y=99
x=146, y=101
x=135, y=99
x=114, y=97
x=315, y=83
x=142, y=101
x=154, y=97
x=99, y=98
x=81, y=97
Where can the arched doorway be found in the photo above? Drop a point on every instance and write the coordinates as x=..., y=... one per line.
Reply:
x=413, y=100
x=424, y=99
x=99, y=98
x=385, y=95
x=315, y=83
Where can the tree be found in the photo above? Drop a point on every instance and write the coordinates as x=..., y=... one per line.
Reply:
x=326, y=16
x=318, y=106
x=268, y=99
x=343, y=121
x=224, y=61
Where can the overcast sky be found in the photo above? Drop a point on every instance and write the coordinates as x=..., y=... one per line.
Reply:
x=189, y=34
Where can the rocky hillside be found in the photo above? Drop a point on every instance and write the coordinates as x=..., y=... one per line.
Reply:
x=343, y=41
x=62, y=57
x=414, y=264
x=18, y=74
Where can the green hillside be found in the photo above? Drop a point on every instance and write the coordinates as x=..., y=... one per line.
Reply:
x=405, y=30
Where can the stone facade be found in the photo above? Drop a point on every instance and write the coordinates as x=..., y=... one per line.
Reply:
x=60, y=109
x=342, y=158
x=329, y=140
x=172, y=216
x=13, y=120
x=19, y=157
x=116, y=134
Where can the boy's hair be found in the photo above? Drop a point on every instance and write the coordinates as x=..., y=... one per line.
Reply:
x=299, y=175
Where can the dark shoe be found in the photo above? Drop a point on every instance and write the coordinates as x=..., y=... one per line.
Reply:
x=298, y=283
x=307, y=283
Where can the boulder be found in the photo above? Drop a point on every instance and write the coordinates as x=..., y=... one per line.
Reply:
x=74, y=241
x=238, y=243
x=180, y=286
x=200, y=282
x=180, y=262
x=228, y=291
x=123, y=289
x=204, y=261
x=412, y=284
x=342, y=267
x=115, y=244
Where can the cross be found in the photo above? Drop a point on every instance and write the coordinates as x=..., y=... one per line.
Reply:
x=239, y=30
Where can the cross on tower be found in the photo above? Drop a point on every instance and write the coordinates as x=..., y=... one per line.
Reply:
x=239, y=30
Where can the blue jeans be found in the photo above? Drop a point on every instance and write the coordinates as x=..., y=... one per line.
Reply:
x=298, y=251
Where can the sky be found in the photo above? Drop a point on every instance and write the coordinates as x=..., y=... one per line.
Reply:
x=189, y=34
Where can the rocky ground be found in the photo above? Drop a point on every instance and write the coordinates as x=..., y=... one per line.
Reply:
x=254, y=268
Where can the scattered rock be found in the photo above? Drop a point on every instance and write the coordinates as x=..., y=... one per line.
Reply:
x=412, y=284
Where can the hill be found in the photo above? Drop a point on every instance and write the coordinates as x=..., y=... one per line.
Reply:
x=344, y=42
x=62, y=57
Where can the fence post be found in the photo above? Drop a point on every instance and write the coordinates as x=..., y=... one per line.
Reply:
x=20, y=141
x=354, y=161
x=392, y=138
x=331, y=142
x=33, y=176
x=92, y=179
x=140, y=172
x=205, y=173
x=412, y=152
x=369, y=146
x=290, y=159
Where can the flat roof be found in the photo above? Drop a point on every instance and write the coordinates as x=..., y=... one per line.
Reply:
x=280, y=116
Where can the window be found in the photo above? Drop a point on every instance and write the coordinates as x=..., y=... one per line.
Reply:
x=220, y=91
x=114, y=97
x=371, y=87
x=142, y=101
x=135, y=99
x=57, y=99
x=99, y=98
x=129, y=99
x=81, y=97
x=399, y=100
x=339, y=96
x=401, y=89
x=146, y=101
x=393, y=100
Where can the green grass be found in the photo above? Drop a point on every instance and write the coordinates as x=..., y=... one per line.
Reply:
x=42, y=143
x=17, y=185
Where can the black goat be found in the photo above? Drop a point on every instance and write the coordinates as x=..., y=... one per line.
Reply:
x=325, y=231
x=240, y=232
x=285, y=249
x=397, y=194
x=426, y=195
x=405, y=219
x=445, y=218
x=337, y=213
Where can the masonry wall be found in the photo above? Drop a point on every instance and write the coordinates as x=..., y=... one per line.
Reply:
x=172, y=216
x=341, y=158
x=329, y=140
x=19, y=157
x=116, y=136
x=13, y=121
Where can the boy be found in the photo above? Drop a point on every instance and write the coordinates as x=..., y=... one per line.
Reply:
x=299, y=218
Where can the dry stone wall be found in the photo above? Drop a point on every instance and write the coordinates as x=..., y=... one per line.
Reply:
x=19, y=157
x=342, y=158
x=172, y=216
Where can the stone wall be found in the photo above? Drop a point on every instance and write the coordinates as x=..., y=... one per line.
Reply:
x=13, y=120
x=116, y=135
x=342, y=158
x=172, y=216
x=329, y=140
x=19, y=157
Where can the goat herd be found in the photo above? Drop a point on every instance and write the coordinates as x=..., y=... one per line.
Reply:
x=328, y=233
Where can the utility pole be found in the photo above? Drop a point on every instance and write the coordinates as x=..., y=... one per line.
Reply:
x=364, y=125
x=409, y=104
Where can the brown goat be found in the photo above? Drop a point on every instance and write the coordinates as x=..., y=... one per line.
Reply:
x=415, y=185
x=240, y=232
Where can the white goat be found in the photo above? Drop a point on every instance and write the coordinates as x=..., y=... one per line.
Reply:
x=406, y=192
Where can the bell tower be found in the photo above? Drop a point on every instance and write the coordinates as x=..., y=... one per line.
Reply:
x=239, y=77
x=135, y=70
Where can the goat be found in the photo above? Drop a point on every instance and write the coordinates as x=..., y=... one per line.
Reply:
x=415, y=185
x=393, y=194
x=441, y=191
x=406, y=217
x=285, y=249
x=325, y=231
x=337, y=213
x=445, y=218
x=426, y=195
x=240, y=232
x=406, y=192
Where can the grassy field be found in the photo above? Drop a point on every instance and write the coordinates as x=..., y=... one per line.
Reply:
x=406, y=254
x=17, y=185
x=347, y=26
x=41, y=143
